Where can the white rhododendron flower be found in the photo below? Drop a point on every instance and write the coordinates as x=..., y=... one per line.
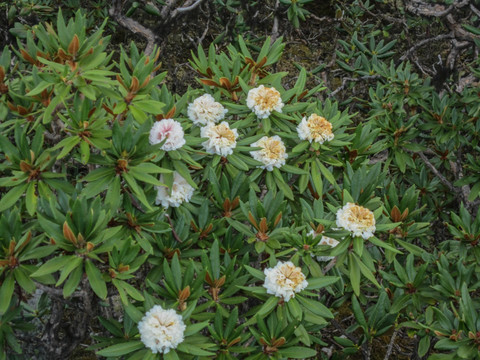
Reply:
x=181, y=191
x=315, y=128
x=263, y=100
x=272, y=152
x=205, y=109
x=284, y=280
x=324, y=241
x=357, y=219
x=161, y=330
x=167, y=129
x=221, y=139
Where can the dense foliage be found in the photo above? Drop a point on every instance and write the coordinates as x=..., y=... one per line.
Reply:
x=259, y=214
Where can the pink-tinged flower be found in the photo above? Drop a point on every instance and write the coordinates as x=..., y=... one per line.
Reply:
x=181, y=191
x=205, y=110
x=170, y=130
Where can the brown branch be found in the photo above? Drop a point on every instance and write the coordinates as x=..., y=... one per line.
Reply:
x=390, y=345
x=132, y=25
x=174, y=233
x=347, y=79
x=275, y=22
x=423, y=42
x=442, y=178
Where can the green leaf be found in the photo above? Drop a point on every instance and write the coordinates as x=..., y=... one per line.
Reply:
x=31, y=198
x=354, y=274
x=6, y=292
x=255, y=272
x=121, y=349
x=321, y=282
x=24, y=280
x=295, y=309
x=95, y=279
x=366, y=271
x=315, y=307
x=297, y=352
x=67, y=144
x=10, y=198
x=293, y=170
x=268, y=306
x=51, y=266
x=193, y=350
x=195, y=328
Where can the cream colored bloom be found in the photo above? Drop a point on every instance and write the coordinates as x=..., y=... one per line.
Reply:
x=272, y=152
x=167, y=129
x=357, y=219
x=315, y=128
x=284, y=280
x=181, y=191
x=161, y=330
x=221, y=139
x=325, y=241
x=205, y=109
x=263, y=100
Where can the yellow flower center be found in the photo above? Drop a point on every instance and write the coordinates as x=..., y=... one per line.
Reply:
x=292, y=273
x=273, y=149
x=319, y=126
x=223, y=131
x=360, y=215
x=267, y=98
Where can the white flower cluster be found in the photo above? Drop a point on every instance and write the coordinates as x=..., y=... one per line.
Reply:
x=221, y=139
x=263, y=100
x=167, y=129
x=356, y=219
x=205, y=109
x=161, y=330
x=181, y=191
x=272, y=152
x=284, y=280
x=325, y=241
x=315, y=128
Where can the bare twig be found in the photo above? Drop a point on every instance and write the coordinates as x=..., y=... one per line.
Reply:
x=437, y=173
x=423, y=42
x=132, y=25
x=275, y=22
x=390, y=345
x=347, y=79
x=174, y=233
x=474, y=9
x=420, y=8
x=58, y=292
x=329, y=266
x=452, y=56
x=188, y=8
x=460, y=32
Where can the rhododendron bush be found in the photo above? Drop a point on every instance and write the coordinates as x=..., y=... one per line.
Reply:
x=240, y=219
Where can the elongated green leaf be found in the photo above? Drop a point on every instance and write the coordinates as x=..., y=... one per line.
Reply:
x=297, y=352
x=121, y=349
x=315, y=306
x=10, y=198
x=52, y=265
x=321, y=282
x=95, y=279
x=6, y=292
